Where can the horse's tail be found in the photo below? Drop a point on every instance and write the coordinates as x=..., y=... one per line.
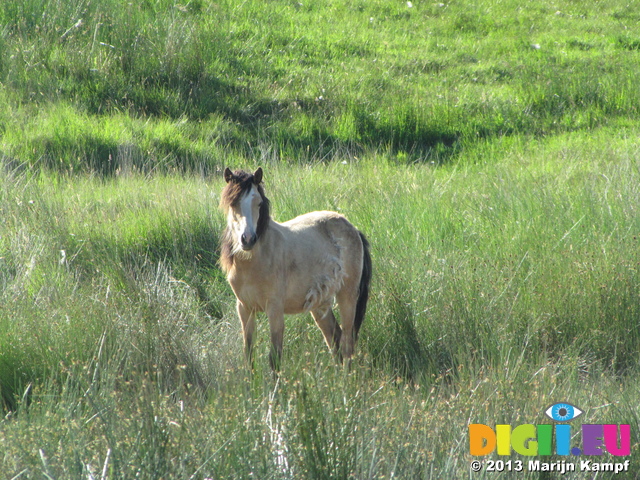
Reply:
x=365, y=280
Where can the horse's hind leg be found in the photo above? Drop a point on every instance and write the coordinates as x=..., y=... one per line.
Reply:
x=347, y=304
x=247, y=319
x=332, y=332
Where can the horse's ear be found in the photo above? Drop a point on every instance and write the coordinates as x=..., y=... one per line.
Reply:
x=257, y=176
x=227, y=175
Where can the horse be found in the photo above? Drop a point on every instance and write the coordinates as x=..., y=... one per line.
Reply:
x=302, y=265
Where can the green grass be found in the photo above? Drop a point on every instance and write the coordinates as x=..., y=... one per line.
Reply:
x=498, y=290
x=98, y=87
x=488, y=151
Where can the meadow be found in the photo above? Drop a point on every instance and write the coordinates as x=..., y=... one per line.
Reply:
x=489, y=151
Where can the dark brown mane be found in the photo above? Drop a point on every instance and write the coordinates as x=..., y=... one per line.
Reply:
x=239, y=183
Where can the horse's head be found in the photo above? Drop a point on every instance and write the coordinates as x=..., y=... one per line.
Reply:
x=246, y=206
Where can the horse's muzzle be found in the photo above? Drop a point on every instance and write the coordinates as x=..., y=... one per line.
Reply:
x=248, y=241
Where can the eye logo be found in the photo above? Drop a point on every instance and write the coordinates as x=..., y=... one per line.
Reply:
x=563, y=412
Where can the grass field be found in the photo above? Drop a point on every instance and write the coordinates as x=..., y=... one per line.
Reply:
x=489, y=151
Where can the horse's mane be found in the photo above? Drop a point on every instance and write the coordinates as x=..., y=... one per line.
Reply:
x=238, y=184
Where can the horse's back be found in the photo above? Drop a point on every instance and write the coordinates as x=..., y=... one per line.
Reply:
x=324, y=230
x=324, y=253
x=314, y=219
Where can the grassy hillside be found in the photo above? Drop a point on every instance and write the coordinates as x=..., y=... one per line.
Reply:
x=163, y=84
x=489, y=151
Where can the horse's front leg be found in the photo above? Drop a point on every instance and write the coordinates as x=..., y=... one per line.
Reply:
x=275, y=312
x=247, y=319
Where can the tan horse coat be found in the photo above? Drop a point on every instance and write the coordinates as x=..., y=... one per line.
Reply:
x=293, y=267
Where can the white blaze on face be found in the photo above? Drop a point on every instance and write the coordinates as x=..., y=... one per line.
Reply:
x=244, y=218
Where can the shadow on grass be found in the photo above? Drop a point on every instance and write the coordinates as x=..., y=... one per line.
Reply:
x=306, y=130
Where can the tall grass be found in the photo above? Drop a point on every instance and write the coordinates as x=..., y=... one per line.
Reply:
x=498, y=290
x=487, y=150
